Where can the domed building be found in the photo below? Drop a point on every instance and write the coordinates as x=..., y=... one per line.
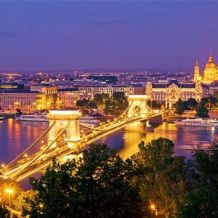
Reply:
x=210, y=71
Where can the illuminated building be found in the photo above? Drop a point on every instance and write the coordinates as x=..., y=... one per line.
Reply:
x=210, y=73
x=27, y=101
x=90, y=91
x=197, y=76
x=46, y=98
x=170, y=92
x=67, y=98
x=11, y=86
x=11, y=101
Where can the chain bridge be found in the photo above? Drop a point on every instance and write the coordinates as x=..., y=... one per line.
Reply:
x=66, y=138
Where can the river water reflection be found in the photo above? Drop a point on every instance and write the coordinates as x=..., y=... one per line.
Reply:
x=16, y=136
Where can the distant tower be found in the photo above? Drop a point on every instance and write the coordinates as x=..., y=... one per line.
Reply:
x=210, y=71
x=210, y=59
x=197, y=76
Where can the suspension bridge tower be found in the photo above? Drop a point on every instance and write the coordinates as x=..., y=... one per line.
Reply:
x=138, y=104
x=64, y=119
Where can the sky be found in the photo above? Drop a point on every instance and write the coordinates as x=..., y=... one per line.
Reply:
x=57, y=35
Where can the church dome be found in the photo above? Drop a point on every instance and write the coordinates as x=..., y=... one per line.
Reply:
x=210, y=63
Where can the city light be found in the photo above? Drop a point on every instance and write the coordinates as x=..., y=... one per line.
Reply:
x=9, y=191
x=153, y=208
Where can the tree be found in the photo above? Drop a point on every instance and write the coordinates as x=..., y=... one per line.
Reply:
x=209, y=101
x=109, y=106
x=86, y=104
x=99, y=185
x=201, y=110
x=201, y=200
x=116, y=104
x=191, y=104
x=153, y=104
x=162, y=181
x=212, y=101
x=180, y=107
x=100, y=99
x=4, y=212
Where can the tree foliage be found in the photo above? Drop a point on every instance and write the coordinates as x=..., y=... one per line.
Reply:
x=152, y=183
x=153, y=104
x=190, y=104
x=114, y=105
x=4, y=212
x=202, y=110
x=117, y=104
x=86, y=104
x=162, y=182
x=98, y=185
x=201, y=200
x=180, y=107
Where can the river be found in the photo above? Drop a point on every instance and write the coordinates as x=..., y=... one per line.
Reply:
x=16, y=136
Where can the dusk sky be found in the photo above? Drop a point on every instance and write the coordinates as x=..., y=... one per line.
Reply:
x=55, y=35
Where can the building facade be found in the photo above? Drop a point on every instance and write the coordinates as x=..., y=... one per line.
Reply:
x=169, y=93
x=25, y=101
x=89, y=92
x=47, y=96
x=67, y=98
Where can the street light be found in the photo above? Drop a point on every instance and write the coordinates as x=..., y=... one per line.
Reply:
x=153, y=208
x=9, y=191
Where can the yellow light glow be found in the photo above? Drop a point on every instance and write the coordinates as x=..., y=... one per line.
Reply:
x=152, y=206
x=64, y=112
x=9, y=191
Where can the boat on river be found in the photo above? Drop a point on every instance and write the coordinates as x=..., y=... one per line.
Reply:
x=88, y=120
x=32, y=117
x=197, y=122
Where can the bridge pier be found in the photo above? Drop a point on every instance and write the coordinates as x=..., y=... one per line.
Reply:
x=64, y=119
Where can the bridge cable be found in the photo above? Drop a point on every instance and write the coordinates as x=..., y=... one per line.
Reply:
x=32, y=145
x=43, y=151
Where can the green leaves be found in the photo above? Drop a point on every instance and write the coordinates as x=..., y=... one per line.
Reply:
x=163, y=181
x=98, y=185
x=180, y=107
x=201, y=201
x=153, y=182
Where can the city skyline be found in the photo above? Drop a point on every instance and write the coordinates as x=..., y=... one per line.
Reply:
x=106, y=35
